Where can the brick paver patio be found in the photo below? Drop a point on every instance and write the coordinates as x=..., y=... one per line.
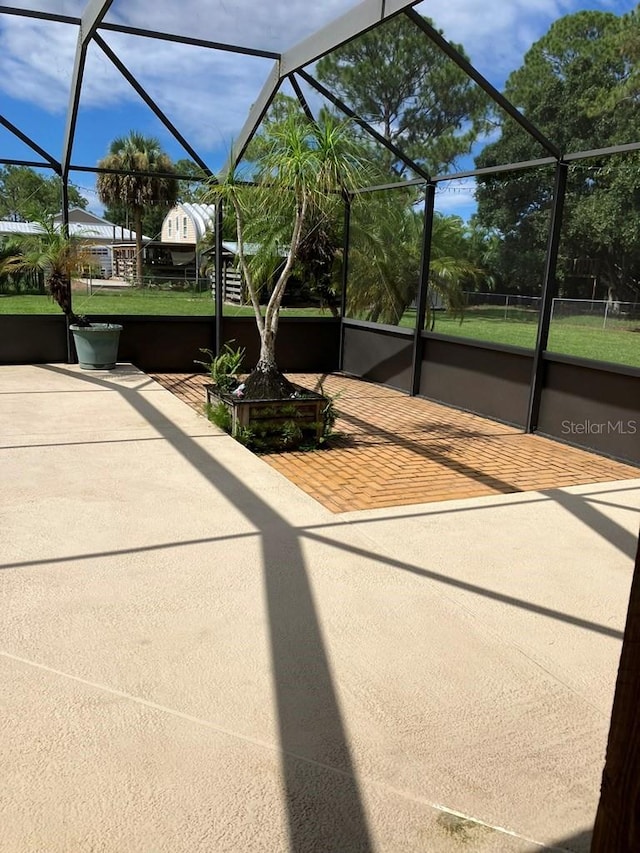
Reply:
x=395, y=450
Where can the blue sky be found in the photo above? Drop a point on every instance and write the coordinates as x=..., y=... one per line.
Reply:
x=207, y=94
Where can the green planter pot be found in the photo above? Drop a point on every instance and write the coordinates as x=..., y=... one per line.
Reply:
x=97, y=345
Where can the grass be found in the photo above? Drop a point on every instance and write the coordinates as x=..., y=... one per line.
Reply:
x=567, y=336
x=619, y=343
x=140, y=302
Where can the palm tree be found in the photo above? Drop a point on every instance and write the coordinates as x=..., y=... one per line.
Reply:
x=55, y=254
x=137, y=158
x=385, y=257
x=299, y=172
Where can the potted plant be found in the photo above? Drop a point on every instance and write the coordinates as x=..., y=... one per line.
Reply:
x=58, y=256
x=305, y=419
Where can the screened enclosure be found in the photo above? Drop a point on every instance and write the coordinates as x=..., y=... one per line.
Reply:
x=490, y=258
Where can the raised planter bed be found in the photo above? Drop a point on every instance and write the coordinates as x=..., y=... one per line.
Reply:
x=265, y=425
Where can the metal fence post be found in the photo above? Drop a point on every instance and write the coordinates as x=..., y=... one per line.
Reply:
x=64, y=192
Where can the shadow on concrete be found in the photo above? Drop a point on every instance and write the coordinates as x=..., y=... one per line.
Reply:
x=470, y=587
x=324, y=805
x=323, y=798
x=597, y=521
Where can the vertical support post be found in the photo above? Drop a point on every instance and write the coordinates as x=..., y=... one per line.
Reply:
x=617, y=827
x=548, y=293
x=346, y=240
x=64, y=225
x=219, y=279
x=423, y=286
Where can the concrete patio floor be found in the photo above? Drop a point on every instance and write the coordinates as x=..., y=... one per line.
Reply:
x=195, y=655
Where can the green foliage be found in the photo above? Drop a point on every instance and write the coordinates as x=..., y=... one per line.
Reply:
x=245, y=435
x=219, y=415
x=28, y=196
x=55, y=255
x=279, y=427
x=577, y=85
x=190, y=191
x=152, y=218
x=132, y=155
x=408, y=89
x=299, y=172
x=224, y=368
x=291, y=434
x=385, y=258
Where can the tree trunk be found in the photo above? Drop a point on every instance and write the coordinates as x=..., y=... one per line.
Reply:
x=617, y=826
x=266, y=382
x=137, y=213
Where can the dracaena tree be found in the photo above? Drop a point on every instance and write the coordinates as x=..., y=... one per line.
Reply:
x=299, y=171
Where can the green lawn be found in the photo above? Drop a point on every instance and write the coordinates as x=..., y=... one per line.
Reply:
x=164, y=303
x=567, y=336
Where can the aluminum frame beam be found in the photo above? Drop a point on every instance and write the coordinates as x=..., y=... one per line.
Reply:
x=411, y=164
x=91, y=18
x=188, y=40
x=624, y=148
x=482, y=81
x=346, y=243
x=355, y=22
x=31, y=164
x=256, y=114
x=52, y=162
x=300, y=96
x=173, y=130
x=496, y=170
x=40, y=16
x=423, y=287
x=219, y=275
x=548, y=292
x=395, y=185
x=99, y=170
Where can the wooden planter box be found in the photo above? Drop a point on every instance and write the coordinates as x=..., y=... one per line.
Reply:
x=274, y=424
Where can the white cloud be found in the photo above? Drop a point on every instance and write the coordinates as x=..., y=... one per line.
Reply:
x=36, y=61
x=207, y=93
x=270, y=25
x=456, y=197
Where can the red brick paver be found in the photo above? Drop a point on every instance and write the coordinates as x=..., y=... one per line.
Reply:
x=395, y=450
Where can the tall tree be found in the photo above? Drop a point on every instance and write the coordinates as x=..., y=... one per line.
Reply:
x=26, y=195
x=395, y=78
x=566, y=86
x=137, y=158
x=302, y=168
